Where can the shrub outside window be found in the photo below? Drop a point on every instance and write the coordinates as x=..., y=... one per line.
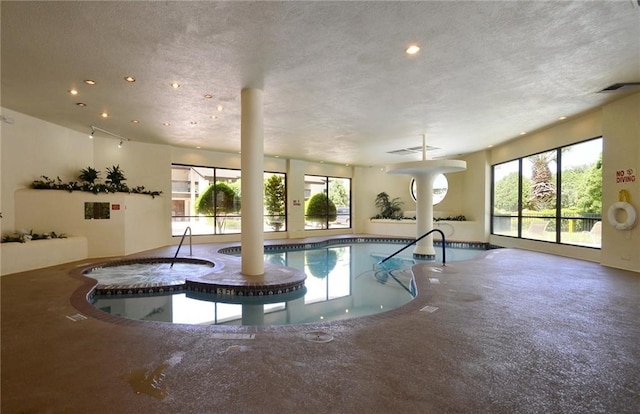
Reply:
x=209, y=200
x=327, y=202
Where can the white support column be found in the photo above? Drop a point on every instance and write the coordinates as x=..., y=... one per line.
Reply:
x=424, y=215
x=425, y=173
x=252, y=158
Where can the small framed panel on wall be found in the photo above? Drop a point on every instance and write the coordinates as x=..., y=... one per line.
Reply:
x=97, y=211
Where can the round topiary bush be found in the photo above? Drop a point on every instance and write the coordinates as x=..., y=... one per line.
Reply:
x=218, y=198
x=321, y=209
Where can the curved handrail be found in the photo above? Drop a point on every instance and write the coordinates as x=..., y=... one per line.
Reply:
x=180, y=245
x=444, y=259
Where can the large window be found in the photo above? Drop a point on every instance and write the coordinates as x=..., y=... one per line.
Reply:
x=208, y=200
x=327, y=202
x=553, y=196
x=275, y=202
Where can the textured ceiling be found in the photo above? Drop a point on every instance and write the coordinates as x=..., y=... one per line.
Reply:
x=338, y=86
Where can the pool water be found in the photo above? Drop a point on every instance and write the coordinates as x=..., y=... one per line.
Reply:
x=161, y=273
x=343, y=281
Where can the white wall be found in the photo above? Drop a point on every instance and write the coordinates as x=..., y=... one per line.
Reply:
x=621, y=129
x=579, y=128
x=31, y=148
x=368, y=182
x=295, y=198
x=618, y=124
x=466, y=188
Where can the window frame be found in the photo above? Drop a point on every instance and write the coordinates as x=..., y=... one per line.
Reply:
x=556, y=221
x=327, y=225
x=193, y=193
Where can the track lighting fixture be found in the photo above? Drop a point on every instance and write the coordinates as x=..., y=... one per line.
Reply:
x=95, y=128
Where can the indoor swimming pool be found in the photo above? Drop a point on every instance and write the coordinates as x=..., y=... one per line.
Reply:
x=343, y=281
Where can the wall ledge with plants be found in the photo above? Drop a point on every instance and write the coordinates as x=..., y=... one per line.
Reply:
x=42, y=252
x=114, y=183
x=23, y=236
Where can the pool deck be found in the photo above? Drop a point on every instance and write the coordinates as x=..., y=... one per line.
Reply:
x=511, y=332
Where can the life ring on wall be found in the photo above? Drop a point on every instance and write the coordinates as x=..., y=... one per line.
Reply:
x=622, y=205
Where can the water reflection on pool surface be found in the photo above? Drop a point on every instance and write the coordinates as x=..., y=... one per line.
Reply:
x=343, y=281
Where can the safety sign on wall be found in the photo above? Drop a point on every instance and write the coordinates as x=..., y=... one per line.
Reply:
x=625, y=176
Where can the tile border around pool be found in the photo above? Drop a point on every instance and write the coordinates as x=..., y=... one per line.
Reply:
x=80, y=297
x=234, y=250
x=225, y=289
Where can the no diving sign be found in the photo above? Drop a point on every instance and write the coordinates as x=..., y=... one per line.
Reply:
x=625, y=176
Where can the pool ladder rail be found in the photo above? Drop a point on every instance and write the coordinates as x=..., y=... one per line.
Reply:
x=383, y=273
x=180, y=245
x=386, y=272
x=444, y=258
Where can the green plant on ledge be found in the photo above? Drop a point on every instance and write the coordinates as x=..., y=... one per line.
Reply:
x=22, y=236
x=114, y=183
x=451, y=218
x=115, y=179
x=389, y=208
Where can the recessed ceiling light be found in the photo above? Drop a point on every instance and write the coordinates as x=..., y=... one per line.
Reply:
x=129, y=78
x=198, y=147
x=214, y=117
x=90, y=82
x=73, y=91
x=166, y=124
x=135, y=121
x=208, y=96
x=104, y=115
x=523, y=133
x=81, y=104
x=175, y=85
x=412, y=50
x=220, y=108
x=562, y=118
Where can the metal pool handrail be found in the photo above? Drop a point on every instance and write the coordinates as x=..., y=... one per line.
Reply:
x=180, y=245
x=444, y=259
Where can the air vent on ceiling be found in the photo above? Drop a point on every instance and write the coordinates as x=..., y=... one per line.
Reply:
x=412, y=150
x=621, y=87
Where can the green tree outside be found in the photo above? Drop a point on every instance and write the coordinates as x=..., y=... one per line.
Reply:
x=506, y=193
x=338, y=193
x=218, y=200
x=274, y=201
